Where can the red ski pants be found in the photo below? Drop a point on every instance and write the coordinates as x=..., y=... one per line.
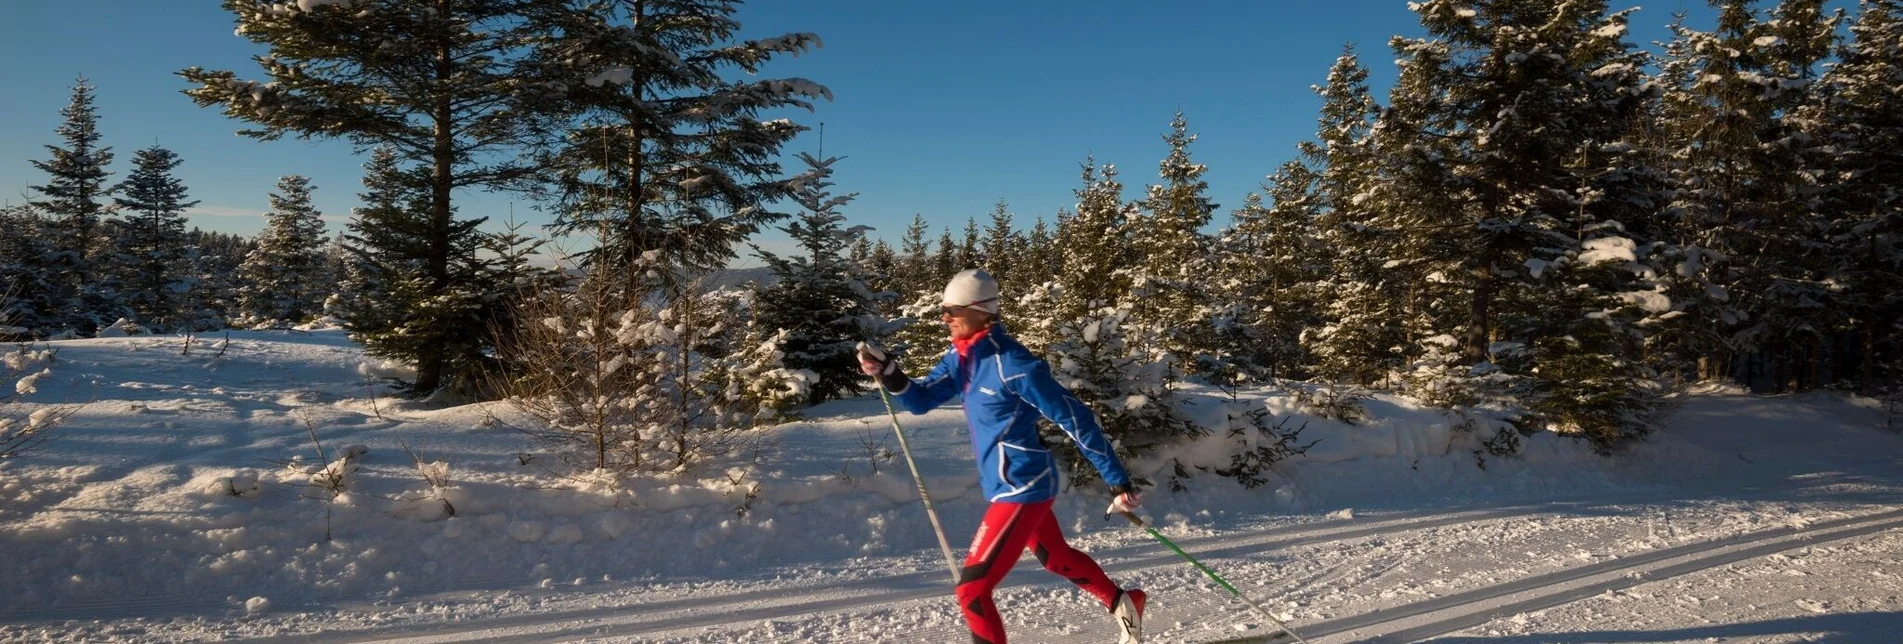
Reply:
x=1009, y=528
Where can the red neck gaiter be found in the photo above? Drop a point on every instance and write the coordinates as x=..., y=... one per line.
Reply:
x=964, y=344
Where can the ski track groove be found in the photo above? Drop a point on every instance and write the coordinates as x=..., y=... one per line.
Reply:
x=687, y=617
x=1475, y=607
x=924, y=584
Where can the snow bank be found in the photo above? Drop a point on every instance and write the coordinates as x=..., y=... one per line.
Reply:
x=201, y=471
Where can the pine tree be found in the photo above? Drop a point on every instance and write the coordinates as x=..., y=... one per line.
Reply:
x=820, y=299
x=915, y=271
x=284, y=281
x=970, y=253
x=75, y=199
x=1362, y=321
x=436, y=82
x=29, y=273
x=1171, y=297
x=1856, y=115
x=945, y=262
x=1509, y=111
x=1264, y=260
x=1000, y=249
x=663, y=151
x=154, y=242
x=1742, y=221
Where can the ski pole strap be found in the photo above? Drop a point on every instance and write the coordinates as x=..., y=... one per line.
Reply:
x=1192, y=561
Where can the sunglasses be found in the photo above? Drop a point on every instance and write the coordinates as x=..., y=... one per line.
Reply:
x=954, y=309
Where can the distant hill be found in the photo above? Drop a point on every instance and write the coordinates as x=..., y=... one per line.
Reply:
x=740, y=277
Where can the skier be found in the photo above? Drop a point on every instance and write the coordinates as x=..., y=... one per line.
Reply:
x=1005, y=388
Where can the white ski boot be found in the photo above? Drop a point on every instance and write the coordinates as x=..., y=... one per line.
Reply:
x=1129, y=614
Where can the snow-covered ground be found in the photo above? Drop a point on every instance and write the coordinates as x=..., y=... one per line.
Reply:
x=171, y=511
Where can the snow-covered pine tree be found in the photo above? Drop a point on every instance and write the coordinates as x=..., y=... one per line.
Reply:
x=971, y=253
x=283, y=279
x=1040, y=252
x=153, y=243
x=75, y=198
x=29, y=274
x=664, y=149
x=915, y=271
x=211, y=300
x=658, y=388
x=944, y=260
x=1528, y=100
x=1363, y=320
x=881, y=267
x=1267, y=263
x=1743, y=220
x=1078, y=319
x=1172, y=300
x=821, y=298
x=435, y=81
x=1002, y=250
x=1855, y=116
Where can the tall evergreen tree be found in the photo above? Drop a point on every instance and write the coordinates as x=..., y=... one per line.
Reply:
x=74, y=197
x=915, y=271
x=1513, y=108
x=29, y=273
x=154, y=243
x=1001, y=249
x=284, y=280
x=1856, y=119
x=664, y=150
x=1264, y=260
x=971, y=254
x=1741, y=215
x=437, y=82
x=1172, y=297
x=821, y=297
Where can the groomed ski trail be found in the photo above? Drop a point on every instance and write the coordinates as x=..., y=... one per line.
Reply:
x=802, y=614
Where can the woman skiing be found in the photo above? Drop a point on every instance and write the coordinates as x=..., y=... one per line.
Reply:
x=1005, y=389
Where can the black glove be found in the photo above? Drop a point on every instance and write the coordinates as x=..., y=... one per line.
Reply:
x=873, y=361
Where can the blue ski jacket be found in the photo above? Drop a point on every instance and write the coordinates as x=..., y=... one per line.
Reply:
x=1005, y=389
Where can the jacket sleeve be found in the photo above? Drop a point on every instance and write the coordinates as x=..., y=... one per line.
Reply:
x=1036, y=386
x=924, y=395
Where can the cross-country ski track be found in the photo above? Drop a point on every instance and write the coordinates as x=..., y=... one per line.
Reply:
x=1192, y=610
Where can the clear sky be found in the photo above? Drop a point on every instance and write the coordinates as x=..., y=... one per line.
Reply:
x=941, y=108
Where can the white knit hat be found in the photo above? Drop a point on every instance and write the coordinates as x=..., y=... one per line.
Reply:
x=974, y=288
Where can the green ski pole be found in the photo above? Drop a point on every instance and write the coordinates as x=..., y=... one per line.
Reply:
x=1212, y=574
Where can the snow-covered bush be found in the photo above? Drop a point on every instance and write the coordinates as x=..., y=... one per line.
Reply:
x=659, y=385
x=23, y=430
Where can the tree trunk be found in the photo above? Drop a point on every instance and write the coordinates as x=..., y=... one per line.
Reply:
x=1477, y=332
x=1869, y=360
x=636, y=169
x=430, y=356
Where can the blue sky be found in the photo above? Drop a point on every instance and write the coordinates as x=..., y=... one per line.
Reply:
x=941, y=108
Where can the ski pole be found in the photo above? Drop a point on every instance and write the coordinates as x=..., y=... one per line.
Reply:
x=920, y=480
x=1211, y=573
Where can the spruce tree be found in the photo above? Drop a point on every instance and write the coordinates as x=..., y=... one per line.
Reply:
x=1507, y=112
x=29, y=273
x=915, y=271
x=1172, y=296
x=283, y=279
x=664, y=149
x=821, y=298
x=437, y=82
x=1741, y=218
x=1265, y=262
x=74, y=197
x=154, y=243
x=1856, y=118
x=1000, y=249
